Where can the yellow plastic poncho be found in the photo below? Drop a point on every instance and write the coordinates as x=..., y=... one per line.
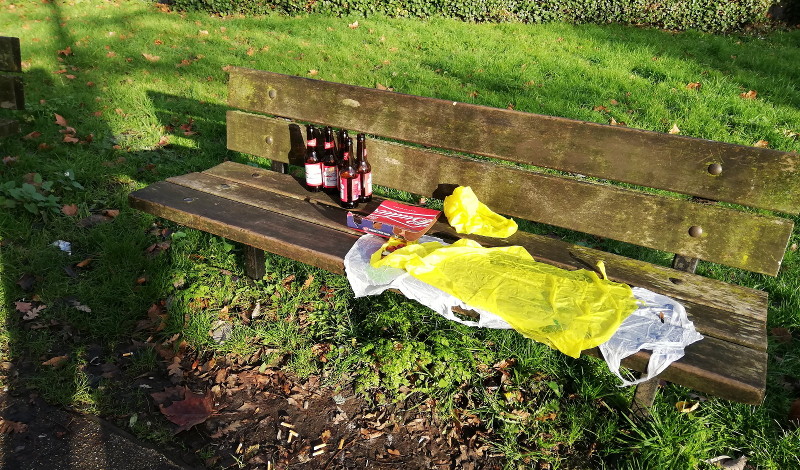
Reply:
x=567, y=310
x=468, y=215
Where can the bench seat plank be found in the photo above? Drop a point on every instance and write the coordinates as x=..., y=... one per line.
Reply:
x=731, y=371
x=11, y=93
x=8, y=127
x=269, y=190
x=738, y=239
x=763, y=178
x=266, y=230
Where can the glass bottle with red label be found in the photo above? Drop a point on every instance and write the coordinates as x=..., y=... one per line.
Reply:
x=364, y=170
x=330, y=170
x=349, y=183
x=313, y=163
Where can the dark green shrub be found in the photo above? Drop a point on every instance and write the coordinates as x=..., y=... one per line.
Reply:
x=705, y=15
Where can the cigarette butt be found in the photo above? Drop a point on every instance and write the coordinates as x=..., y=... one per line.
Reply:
x=239, y=448
x=290, y=438
x=293, y=433
x=280, y=434
x=127, y=354
x=320, y=446
x=341, y=444
x=287, y=425
x=321, y=451
x=269, y=465
x=305, y=405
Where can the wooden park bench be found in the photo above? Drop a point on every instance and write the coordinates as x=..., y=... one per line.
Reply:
x=11, y=96
x=271, y=210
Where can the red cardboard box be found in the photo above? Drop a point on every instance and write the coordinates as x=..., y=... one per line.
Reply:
x=392, y=219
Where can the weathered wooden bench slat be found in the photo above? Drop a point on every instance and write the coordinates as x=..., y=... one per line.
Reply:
x=10, y=55
x=280, y=193
x=713, y=366
x=8, y=127
x=265, y=230
x=729, y=370
x=738, y=239
x=762, y=178
x=11, y=93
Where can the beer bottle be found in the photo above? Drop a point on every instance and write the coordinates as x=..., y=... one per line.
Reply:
x=349, y=188
x=313, y=164
x=330, y=170
x=364, y=170
x=343, y=136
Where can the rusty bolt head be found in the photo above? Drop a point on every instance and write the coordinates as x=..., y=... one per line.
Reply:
x=715, y=169
x=695, y=231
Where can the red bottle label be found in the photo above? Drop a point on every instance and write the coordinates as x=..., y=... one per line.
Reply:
x=311, y=143
x=349, y=189
x=314, y=174
x=328, y=145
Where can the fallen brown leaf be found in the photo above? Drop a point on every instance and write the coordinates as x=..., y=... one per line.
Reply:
x=694, y=86
x=761, y=144
x=675, y=129
x=61, y=121
x=151, y=58
x=7, y=427
x=57, y=361
x=193, y=410
x=69, y=209
x=749, y=95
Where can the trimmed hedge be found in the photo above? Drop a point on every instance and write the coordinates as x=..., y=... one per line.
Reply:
x=705, y=15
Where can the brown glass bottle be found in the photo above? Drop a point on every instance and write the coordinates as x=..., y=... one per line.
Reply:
x=343, y=136
x=330, y=170
x=313, y=164
x=349, y=187
x=364, y=169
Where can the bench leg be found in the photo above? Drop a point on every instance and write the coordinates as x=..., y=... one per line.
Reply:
x=643, y=398
x=254, y=260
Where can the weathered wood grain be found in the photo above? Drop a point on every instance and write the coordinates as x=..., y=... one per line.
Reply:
x=744, y=323
x=11, y=93
x=730, y=237
x=286, y=236
x=8, y=127
x=749, y=176
x=712, y=366
x=724, y=369
x=10, y=57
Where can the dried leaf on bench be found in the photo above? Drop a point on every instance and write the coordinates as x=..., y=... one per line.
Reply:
x=193, y=410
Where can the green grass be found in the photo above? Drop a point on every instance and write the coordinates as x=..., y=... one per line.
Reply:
x=566, y=412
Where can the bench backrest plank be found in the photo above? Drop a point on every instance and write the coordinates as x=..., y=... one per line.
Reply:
x=731, y=237
x=660, y=221
x=10, y=55
x=755, y=177
x=11, y=95
x=11, y=92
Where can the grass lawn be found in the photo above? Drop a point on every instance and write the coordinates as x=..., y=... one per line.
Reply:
x=144, y=91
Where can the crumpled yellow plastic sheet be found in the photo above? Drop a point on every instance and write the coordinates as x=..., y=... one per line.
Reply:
x=568, y=310
x=468, y=215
